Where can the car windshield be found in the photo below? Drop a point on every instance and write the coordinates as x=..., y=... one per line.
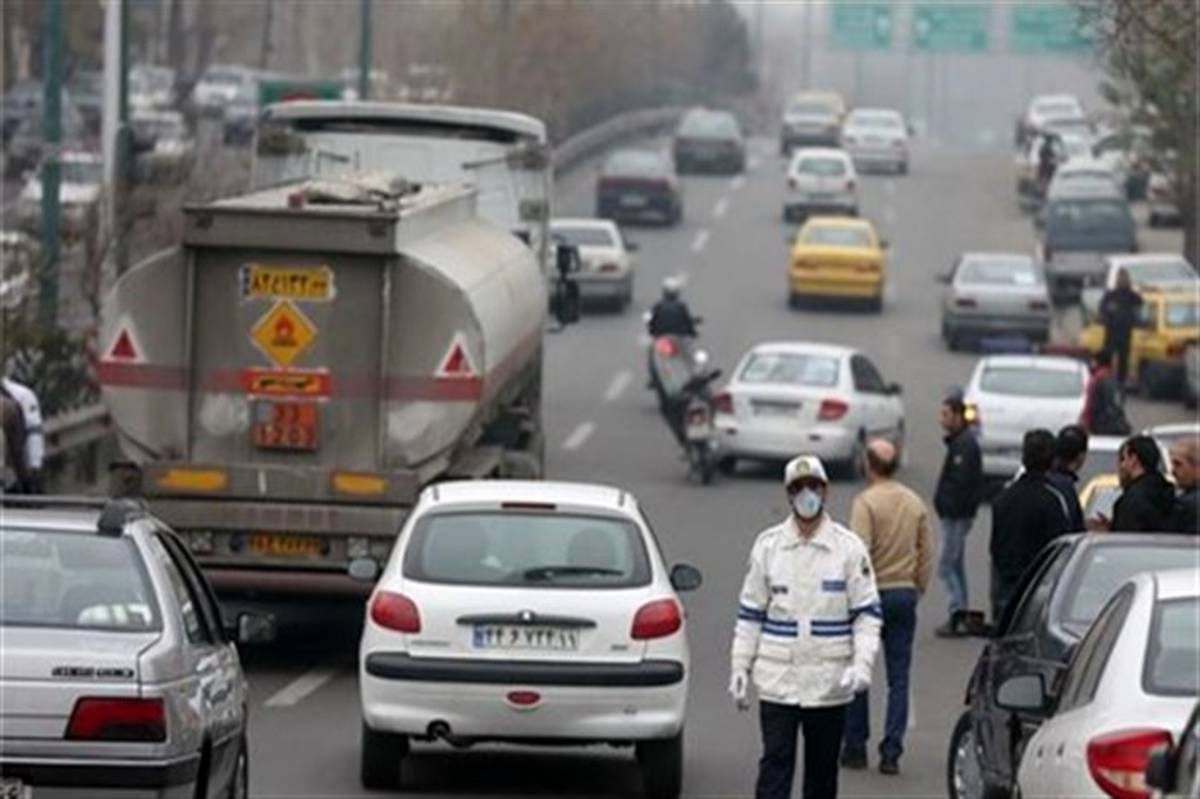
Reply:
x=1183, y=314
x=821, y=167
x=880, y=121
x=709, y=124
x=1104, y=569
x=837, y=236
x=535, y=549
x=1162, y=271
x=74, y=580
x=585, y=236
x=791, y=368
x=1173, y=649
x=81, y=172
x=1088, y=215
x=1020, y=381
x=811, y=109
x=1000, y=272
x=635, y=162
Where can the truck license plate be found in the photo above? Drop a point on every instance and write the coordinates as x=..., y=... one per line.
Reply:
x=290, y=426
x=288, y=546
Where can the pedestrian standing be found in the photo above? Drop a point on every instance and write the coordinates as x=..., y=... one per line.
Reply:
x=1028, y=514
x=955, y=501
x=806, y=635
x=896, y=528
x=1102, y=410
x=35, y=438
x=1147, y=501
x=1070, y=453
x=1185, y=465
x=1120, y=308
x=13, y=473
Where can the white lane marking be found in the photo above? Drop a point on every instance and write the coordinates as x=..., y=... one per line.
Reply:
x=737, y=182
x=912, y=710
x=295, y=691
x=579, y=436
x=720, y=208
x=889, y=215
x=889, y=186
x=616, y=388
x=700, y=240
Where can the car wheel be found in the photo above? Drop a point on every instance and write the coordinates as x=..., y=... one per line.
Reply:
x=851, y=467
x=795, y=302
x=903, y=168
x=382, y=753
x=239, y=786
x=727, y=465
x=661, y=763
x=1155, y=220
x=875, y=304
x=964, y=773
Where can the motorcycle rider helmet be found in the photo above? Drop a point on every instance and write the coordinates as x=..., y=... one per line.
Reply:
x=671, y=287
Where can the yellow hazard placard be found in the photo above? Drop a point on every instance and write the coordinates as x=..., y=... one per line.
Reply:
x=283, y=333
x=307, y=283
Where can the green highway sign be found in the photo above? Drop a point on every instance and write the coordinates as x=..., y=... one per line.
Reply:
x=287, y=90
x=861, y=26
x=951, y=27
x=1047, y=28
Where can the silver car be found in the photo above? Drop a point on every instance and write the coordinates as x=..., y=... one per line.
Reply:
x=117, y=675
x=995, y=294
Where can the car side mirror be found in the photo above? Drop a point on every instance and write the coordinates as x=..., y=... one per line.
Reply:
x=1160, y=769
x=255, y=628
x=685, y=577
x=1023, y=693
x=895, y=389
x=364, y=570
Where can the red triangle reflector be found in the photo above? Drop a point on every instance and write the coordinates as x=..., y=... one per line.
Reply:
x=457, y=363
x=123, y=349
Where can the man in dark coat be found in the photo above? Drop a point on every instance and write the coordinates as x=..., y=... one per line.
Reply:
x=1119, y=311
x=1070, y=453
x=1185, y=465
x=1147, y=500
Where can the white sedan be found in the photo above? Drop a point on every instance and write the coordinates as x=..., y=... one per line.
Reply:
x=1011, y=394
x=787, y=398
x=526, y=611
x=820, y=180
x=605, y=255
x=876, y=137
x=1130, y=688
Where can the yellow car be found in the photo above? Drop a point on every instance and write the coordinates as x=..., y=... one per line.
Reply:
x=1170, y=321
x=837, y=257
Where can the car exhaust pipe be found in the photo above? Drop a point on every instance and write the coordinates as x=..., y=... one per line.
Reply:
x=440, y=731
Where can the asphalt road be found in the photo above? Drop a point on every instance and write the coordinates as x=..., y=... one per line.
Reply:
x=603, y=426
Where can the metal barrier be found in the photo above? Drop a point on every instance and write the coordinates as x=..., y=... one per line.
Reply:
x=88, y=425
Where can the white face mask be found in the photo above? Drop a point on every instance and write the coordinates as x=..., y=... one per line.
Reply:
x=807, y=504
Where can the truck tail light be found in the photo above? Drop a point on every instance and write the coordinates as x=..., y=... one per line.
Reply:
x=117, y=719
x=656, y=619
x=395, y=612
x=1117, y=760
x=723, y=403
x=832, y=409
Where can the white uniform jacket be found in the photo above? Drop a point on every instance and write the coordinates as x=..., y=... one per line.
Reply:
x=31, y=409
x=808, y=610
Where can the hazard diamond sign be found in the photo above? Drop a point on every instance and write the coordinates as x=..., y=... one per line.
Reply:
x=283, y=333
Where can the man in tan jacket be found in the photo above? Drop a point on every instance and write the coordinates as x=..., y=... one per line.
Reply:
x=896, y=527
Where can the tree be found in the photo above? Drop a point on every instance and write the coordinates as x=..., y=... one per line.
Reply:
x=1149, y=51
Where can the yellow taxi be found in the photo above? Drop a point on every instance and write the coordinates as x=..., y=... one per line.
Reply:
x=837, y=257
x=1170, y=320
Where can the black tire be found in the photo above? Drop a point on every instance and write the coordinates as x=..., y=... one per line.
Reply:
x=239, y=787
x=903, y=168
x=661, y=764
x=851, y=467
x=707, y=463
x=795, y=301
x=727, y=465
x=382, y=754
x=875, y=304
x=964, y=777
x=1155, y=220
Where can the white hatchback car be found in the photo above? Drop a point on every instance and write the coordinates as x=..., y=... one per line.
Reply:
x=785, y=398
x=536, y=612
x=1009, y=395
x=820, y=180
x=607, y=266
x=1130, y=688
x=876, y=137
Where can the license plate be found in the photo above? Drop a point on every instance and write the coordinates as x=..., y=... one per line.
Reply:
x=287, y=546
x=289, y=426
x=633, y=201
x=12, y=788
x=821, y=197
x=525, y=638
x=775, y=409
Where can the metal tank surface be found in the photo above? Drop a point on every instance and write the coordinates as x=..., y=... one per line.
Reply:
x=287, y=382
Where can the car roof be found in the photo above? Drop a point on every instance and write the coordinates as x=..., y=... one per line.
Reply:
x=810, y=347
x=849, y=222
x=1084, y=165
x=1046, y=99
x=820, y=152
x=592, y=495
x=583, y=222
x=890, y=112
x=997, y=256
x=1145, y=258
x=1178, y=428
x=1032, y=362
x=76, y=520
x=1174, y=583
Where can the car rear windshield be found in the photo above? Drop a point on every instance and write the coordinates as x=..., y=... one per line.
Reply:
x=1024, y=382
x=1173, y=649
x=709, y=124
x=527, y=550
x=822, y=167
x=585, y=236
x=74, y=580
x=838, y=236
x=1183, y=314
x=634, y=162
x=881, y=121
x=1105, y=568
x=1160, y=271
x=792, y=368
x=1088, y=215
x=1001, y=272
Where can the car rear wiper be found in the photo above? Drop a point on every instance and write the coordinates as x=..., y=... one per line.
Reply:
x=551, y=572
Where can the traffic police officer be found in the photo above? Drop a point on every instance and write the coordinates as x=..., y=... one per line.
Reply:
x=807, y=632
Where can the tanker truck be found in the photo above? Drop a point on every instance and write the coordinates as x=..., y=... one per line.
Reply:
x=285, y=383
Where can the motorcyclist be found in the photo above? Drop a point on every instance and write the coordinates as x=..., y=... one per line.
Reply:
x=671, y=316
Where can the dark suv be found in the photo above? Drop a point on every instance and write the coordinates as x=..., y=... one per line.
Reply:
x=1060, y=595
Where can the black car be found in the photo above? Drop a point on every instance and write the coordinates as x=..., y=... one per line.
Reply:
x=1060, y=595
x=1077, y=230
x=639, y=185
x=709, y=141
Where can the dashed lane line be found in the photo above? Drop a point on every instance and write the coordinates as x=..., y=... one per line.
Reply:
x=294, y=692
x=616, y=388
x=700, y=241
x=579, y=436
x=720, y=209
x=737, y=182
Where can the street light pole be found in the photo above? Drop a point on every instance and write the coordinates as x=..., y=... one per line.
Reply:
x=52, y=137
x=364, y=50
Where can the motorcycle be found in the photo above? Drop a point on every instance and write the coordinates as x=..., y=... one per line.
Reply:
x=670, y=361
x=699, y=433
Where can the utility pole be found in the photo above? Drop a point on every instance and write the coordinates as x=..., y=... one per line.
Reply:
x=364, y=50
x=52, y=18
x=264, y=58
x=806, y=62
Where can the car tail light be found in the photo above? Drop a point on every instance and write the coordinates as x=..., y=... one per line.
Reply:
x=656, y=619
x=395, y=612
x=723, y=402
x=1117, y=760
x=697, y=415
x=666, y=347
x=1176, y=348
x=1039, y=305
x=966, y=302
x=832, y=409
x=109, y=719
x=523, y=698
x=609, y=267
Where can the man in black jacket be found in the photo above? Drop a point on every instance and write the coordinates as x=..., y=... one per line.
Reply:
x=1070, y=452
x=1185, y=465
x=956, y=500
x=1028, y=514
x=671, y=316
x=1119, y=311
x=1147, y=500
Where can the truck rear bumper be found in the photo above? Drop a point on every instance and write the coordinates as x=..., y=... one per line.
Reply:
x=278, y=582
